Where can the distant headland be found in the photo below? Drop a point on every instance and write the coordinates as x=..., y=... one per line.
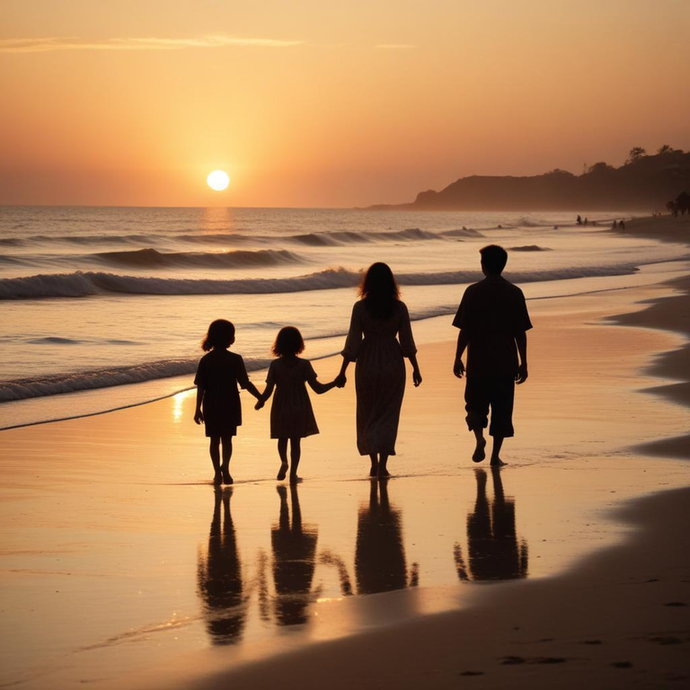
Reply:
x=644, y=182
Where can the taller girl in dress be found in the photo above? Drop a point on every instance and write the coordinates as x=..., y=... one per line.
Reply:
x=377, y=318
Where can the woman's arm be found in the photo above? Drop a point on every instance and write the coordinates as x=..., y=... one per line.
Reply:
x=409, y=349
x=352, y=343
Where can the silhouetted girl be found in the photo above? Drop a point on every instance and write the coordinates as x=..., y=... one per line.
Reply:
x=217, y=398
x=292, y=417
x=377, y=319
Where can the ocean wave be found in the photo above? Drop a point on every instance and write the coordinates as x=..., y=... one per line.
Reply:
x=86, y=284
x=152, y=258
x=55, y=384
x=462, y=232
x=529, y=248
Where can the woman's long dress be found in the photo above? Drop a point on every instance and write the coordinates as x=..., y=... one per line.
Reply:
x=379, y=374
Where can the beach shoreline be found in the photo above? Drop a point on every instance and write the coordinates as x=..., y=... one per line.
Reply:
x=587, y=602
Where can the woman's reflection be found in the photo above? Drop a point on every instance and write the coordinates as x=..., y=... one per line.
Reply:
x=380, y=555
x=294, y=549
x=219, y=576
x=494, y=551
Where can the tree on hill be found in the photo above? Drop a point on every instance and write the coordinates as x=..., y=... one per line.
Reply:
x=636, y=152
x=664, y=149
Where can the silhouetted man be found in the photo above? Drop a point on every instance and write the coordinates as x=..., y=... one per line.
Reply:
x=493, y=321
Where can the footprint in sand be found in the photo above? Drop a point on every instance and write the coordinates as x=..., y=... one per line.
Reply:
x=621, y=664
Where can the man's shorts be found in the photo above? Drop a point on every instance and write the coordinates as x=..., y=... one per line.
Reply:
x=497, y=393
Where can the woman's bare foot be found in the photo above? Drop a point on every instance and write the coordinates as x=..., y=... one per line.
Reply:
x=227, y=479
x=479, y=453
x=383, y=472
x=374, y=471
x=294, y=479
x=497, y=462
x=282, y=471
x=218, y=478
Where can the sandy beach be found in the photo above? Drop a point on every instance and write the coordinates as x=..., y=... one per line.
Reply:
x=112, y=575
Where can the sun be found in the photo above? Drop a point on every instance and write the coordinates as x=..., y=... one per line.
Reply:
x=218, y=180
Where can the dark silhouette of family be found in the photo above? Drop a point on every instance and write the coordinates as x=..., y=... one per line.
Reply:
x=492, y=320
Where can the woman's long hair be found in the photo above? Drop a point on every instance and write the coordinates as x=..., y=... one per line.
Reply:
x=379, y=290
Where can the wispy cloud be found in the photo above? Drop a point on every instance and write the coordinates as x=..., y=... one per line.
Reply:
x=44, y=45
x=395, y=46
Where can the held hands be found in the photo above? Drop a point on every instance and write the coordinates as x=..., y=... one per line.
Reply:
x=198, y=417
x=459, y=368
x=340, y=381
x=416, y=377
x=522, y=374
x=259, y=403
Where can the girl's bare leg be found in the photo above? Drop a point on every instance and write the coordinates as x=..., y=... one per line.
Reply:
x=214, y=450
x=295, y=455
x=227, y=454
x=282, y=451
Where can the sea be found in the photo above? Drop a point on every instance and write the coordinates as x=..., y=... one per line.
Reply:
x=103, y=308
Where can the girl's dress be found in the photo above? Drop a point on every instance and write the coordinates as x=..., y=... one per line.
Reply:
x=291, y=412
x=379, y=374
x=220, y=372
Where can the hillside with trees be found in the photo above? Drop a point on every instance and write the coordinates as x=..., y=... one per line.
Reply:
x=645, y=182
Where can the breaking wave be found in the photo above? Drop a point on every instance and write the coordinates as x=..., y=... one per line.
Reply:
x=86, y=284
x=152, y=258
x=54, y=384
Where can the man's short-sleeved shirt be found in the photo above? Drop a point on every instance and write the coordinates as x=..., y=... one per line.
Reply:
x=492, y=312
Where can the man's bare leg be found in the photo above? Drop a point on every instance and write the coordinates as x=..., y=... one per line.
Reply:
x=479, y=453
x=495, y=452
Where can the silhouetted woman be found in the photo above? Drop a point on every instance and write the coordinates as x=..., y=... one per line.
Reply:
x=377, y=318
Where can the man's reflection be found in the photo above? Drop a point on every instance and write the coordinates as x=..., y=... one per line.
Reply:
x=380, y=555
x=294, y=549
x=494, y=551
x=219, y=576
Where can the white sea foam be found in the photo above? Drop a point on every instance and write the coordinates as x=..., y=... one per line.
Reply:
x=86, y=284
x=54, y=384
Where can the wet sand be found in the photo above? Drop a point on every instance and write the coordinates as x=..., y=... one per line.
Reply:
x=122, y=566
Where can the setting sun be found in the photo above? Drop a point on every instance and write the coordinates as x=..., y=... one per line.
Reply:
x=218, y=180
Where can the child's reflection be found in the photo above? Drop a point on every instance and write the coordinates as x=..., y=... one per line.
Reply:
x=294, y=550
x=219, y=576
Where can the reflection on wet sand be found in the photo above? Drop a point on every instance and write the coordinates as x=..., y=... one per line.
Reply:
x=380, y=554
x=219, y=576
x=294, y=551
x=494, y=551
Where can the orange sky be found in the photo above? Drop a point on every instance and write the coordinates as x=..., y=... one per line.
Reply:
x=324, y=103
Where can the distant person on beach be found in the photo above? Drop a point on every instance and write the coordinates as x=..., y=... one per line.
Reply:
x=292, y=417
x=615, y=225
x=493, y=321
x=586, y=222
x=579, y=220
x=621, y=225
x=217, y=398
x=377, y=318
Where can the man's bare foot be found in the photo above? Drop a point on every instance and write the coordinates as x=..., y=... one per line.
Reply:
x=227, y=479
x=497, y=462
x=282, y=471
x=294, y=479
x=373, y=472
x=479, y=453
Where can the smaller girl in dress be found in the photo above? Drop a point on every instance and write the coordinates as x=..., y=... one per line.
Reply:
x=217, y=398
x=292, y=417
